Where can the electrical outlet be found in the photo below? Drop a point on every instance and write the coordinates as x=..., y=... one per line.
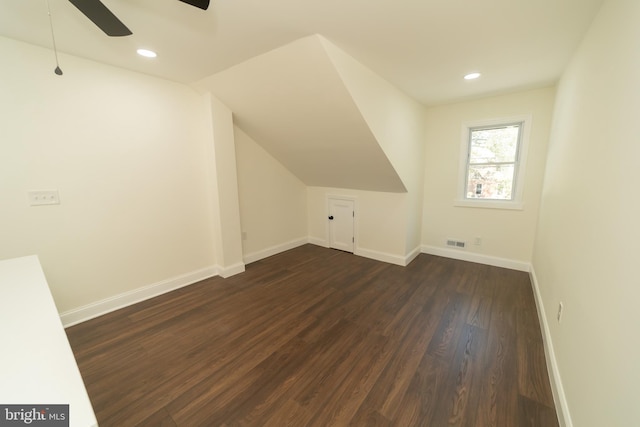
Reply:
x=477, y=241
x=244, y=235
x=43, y=197
x=560, y=308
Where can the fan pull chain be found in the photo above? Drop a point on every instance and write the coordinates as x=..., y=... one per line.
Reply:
x=58, y=70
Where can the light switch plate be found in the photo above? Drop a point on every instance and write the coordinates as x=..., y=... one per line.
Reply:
x=43, y=197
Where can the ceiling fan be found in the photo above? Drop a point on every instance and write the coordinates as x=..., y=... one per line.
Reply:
x=97, y=12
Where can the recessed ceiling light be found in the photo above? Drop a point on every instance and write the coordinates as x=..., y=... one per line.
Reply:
x=147, y=53
x=472, y=76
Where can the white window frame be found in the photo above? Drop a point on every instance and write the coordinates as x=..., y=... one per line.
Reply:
x=517, y=202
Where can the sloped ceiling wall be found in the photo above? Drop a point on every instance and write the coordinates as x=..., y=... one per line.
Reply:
x=293, y=102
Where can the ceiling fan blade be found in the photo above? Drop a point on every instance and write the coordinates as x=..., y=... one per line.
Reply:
x=202, y=4
x=102, y=17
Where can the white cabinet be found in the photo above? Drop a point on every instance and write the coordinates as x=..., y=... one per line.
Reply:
x=37, y=365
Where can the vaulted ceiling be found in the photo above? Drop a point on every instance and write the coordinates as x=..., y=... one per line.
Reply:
x=293, y=101
x=263, y=60
x=423, y=47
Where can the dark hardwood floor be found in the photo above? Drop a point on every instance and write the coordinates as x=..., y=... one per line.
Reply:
x=318, y=337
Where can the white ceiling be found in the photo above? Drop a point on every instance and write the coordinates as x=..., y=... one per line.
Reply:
x=250, y=53
x=423, y=47
x=293, y=101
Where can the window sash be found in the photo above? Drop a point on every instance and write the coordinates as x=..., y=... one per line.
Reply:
x=515, y=163
x=492, y=164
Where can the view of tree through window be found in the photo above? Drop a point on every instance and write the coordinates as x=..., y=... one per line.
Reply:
x=491, y=167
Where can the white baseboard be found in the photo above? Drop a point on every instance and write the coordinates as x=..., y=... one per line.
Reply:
x=412, y=255
x=273, y=250
x=381, y=256
x=90, y=311
x=107, y=305
x=318, y=241
x=231, y=270
x=476, y=257
x=559, y=398
x=378, y=256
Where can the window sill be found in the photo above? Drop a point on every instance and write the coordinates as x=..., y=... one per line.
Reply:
x=489, y=204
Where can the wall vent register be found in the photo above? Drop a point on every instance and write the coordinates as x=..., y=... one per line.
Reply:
x=456, y=243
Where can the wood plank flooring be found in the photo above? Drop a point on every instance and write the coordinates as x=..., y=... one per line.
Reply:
x=318, y=337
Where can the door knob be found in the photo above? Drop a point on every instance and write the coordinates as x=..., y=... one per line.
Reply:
x=331, y=217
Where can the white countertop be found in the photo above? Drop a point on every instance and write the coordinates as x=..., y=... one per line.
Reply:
x=37, y=365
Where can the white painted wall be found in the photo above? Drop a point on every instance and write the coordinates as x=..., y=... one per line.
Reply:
x=398, y=123
x=223, y=185
x=127, y=154
x=273, y=202
x=379, y=226
x=293, y=102
x=586, y=250
x=506, y=234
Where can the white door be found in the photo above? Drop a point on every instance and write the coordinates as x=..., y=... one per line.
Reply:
x=341, y=220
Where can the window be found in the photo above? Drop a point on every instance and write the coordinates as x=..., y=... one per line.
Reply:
x=492, y=159
x=492, y=166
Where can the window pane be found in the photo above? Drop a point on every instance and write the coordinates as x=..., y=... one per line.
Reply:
x=494, y=145
x=490, y=182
